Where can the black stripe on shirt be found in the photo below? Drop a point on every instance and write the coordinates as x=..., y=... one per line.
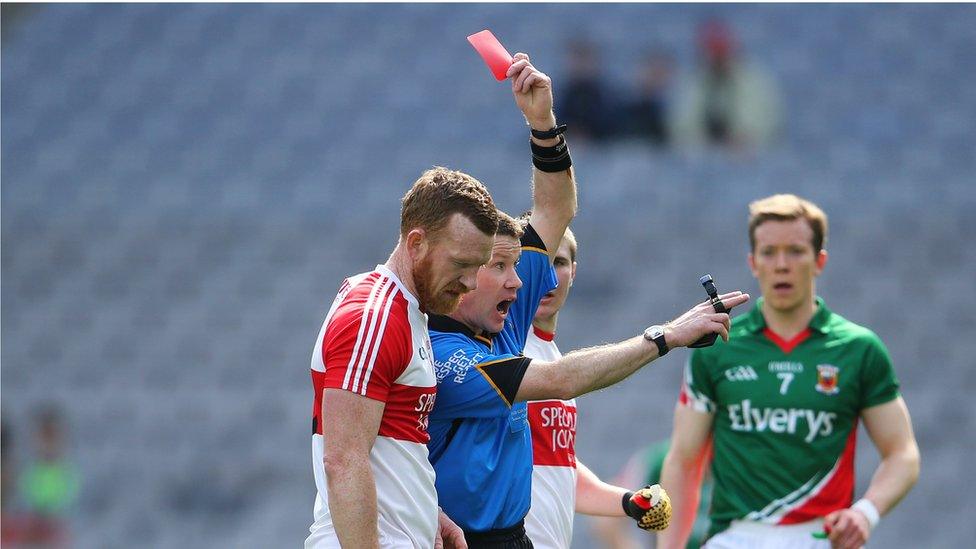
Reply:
x=506, y=375
x=531, y=239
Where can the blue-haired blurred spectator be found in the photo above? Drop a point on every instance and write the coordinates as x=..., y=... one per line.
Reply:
x=728, y=102
x=583, y=102
x=648, y=114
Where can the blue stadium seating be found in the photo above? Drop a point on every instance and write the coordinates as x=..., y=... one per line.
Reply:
x=184, y=187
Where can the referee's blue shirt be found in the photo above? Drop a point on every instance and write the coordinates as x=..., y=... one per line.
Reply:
x=480, y=443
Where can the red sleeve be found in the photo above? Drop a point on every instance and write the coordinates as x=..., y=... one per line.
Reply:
x=368, y=343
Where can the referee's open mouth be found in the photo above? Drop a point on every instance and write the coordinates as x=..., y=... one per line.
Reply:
x=503, y=307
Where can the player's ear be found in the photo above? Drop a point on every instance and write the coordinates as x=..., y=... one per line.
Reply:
x=821, y=262
x=751, y=260
x=572, y=274
x=417, y=243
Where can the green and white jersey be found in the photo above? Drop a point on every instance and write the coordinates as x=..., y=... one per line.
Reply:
x=786, y=414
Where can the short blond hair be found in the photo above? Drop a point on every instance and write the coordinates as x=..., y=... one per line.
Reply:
x=787, y=207
x=569, y=235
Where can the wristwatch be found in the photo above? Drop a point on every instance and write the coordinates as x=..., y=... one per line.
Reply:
x=656, y=334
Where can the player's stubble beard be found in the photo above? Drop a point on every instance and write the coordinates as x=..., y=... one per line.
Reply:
x=440, y=303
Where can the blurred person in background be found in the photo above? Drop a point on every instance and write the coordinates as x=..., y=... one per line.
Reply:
x=561, y=484
x=644, y=467
x=48, y=485
x=648, y=114
x=728, y=102
x=373, y=376
x=780, y=404
x=7, y=474
x=585, y=103
x=480, y=443
x=9, y=524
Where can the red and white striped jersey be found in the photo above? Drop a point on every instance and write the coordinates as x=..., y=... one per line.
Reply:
x=374, y=343
x=549, y=523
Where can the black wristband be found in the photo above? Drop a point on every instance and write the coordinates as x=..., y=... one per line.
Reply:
x=555, y=131
x=626, y=504
x=551, y=159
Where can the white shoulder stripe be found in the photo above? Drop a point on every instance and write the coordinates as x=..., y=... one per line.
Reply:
x=379, y=338
x=377, y=286
x=696, y=399
x=365, y=349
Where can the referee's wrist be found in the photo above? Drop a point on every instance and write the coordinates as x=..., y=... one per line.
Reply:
x=544, y=124
x=550, y=159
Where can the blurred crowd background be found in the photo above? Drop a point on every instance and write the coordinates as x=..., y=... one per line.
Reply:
x=185, y=186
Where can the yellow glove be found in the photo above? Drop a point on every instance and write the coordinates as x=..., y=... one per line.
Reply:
x=650, y=507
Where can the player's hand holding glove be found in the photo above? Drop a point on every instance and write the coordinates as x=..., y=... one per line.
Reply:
x=650, y=507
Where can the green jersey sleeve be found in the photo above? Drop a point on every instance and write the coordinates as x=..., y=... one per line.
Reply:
x=878, y=381
x=697, y=390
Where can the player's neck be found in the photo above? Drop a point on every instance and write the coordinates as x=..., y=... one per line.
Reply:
x=787, y=324
x=400, y=265
x=458, y=316
x=547, y=324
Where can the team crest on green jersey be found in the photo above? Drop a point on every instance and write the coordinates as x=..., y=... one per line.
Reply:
x=827, y=379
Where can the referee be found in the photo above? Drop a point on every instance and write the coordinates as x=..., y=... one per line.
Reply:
x=480, y=442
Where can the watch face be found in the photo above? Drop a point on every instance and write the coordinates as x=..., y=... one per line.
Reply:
x=654, y=332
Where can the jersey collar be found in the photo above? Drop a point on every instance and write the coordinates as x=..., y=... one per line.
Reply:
x=542, y=334
x=385, y=271
x=444, y=323
x=754, y=322
x=821, y=320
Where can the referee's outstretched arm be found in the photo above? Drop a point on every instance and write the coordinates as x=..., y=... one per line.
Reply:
x=590, y=369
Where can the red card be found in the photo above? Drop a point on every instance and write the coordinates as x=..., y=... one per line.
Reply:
x=492, y=51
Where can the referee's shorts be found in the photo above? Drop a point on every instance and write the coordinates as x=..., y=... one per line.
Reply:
x=513, y=537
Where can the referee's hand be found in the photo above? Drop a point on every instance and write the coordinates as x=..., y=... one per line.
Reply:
x=533, y=93
x=702, y=320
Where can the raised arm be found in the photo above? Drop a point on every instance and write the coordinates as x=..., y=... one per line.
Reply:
x=553, y=192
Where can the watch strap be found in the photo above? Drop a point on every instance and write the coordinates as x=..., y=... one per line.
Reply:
x=551, y=133
x=662, y=344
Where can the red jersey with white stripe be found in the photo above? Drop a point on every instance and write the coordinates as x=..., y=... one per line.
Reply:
x=549, y=523
x=374, y=343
